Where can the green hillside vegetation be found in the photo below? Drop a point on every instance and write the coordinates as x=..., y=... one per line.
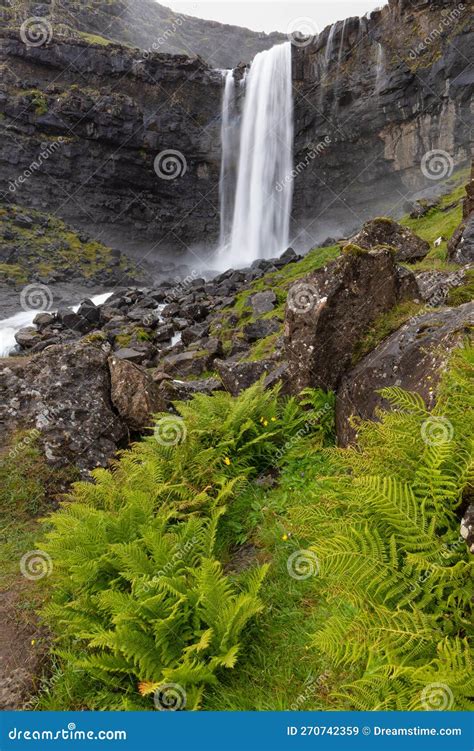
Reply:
x=354, y=558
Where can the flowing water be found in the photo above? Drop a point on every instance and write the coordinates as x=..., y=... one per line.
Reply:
x=380, y=67
x=229, y=140
x=10, y=326
x=264, y=189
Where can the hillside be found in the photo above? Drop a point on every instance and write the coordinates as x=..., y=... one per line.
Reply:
x=145, y=24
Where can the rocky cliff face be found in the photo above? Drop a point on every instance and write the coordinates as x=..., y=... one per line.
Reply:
x=93, y=120
x=145, y=24
x=373, y=96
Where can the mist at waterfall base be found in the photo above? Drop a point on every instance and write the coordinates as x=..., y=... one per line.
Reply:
x=256, y=184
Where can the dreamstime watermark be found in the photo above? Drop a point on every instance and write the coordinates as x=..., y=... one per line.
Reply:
x=437, y=697
x=450, y=17
x=36, y=564
x=170, y=164
x=302, y=31
x=16, y=450
x=170, y=430
x=302, y=564
x=167, y=34
x=304, y=297
x=36, y=31
x=169, y=697
x=437, y=164
x=312, y=422
x=36, y=297
x=311, y=686
x=436, y=431
x=314, y=152
x=168, y=568
x=42, y=157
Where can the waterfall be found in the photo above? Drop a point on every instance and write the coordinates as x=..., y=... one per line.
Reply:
x=380, y=67
x=229, y=142
x=263, y=194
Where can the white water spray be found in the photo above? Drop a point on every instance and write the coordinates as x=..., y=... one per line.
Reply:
x=261, y=216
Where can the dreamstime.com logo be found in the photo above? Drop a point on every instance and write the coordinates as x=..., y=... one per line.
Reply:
x=170, y=697
x=36, y=564
x=36, y=31
x=302, y=31
x=437, y=697
x=36, y=297
x=170, y=164
x=71, y=733
x=303, y=297
x=435, y=431
x=437, y=164
x=170, y=430
x=302, y=564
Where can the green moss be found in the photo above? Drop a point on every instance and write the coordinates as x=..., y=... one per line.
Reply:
x=123, y=340
x=385, y=325
x=95, y=39
x=440, y=221
x=464, y=293
x=354, y=250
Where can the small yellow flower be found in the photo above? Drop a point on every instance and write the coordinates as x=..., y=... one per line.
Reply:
x=273, y=419
x=33, y=642
x=284, y=537
x=262, y=419
x=265, y=422
x=227, y=461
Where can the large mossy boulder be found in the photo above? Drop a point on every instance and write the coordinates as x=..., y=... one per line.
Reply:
x=413, y=357
x=408, y=247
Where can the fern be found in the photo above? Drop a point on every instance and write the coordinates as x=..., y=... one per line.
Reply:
x=397, y=578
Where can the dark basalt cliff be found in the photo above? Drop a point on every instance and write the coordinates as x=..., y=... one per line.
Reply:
x=101, y=115
x=373, y=96
x=145, y=24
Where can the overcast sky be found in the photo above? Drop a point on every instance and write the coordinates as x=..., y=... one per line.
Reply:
x=267, y=15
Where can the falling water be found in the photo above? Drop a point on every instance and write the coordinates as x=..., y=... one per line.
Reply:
x=229, y=140
x=380, y=67
x=261, y=216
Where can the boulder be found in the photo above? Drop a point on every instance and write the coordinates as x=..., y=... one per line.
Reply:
x=185, y=364
x=262, y=302
x=413, y=358
x=134, y=394
x=383, y=231
x=434, y=286
x=238, y=376
x=129, y=353
x=64, y=393
x=461, y=245
x=467, y=527
x=331, y=309
x=261, y=328
x=27, y=337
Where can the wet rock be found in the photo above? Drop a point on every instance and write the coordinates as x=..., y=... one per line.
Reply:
x=185, y=364
x=64, y=393
x=129, y=353
x=434, y=286
x=330, y=310
x=41, y=320
x=263, y=302
x=134, y=394
x=193, y=333
x=27, y=337
x=238, y=376
x=383, y=231
x=261, y=328
x=467, y=527
x=413, y=358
